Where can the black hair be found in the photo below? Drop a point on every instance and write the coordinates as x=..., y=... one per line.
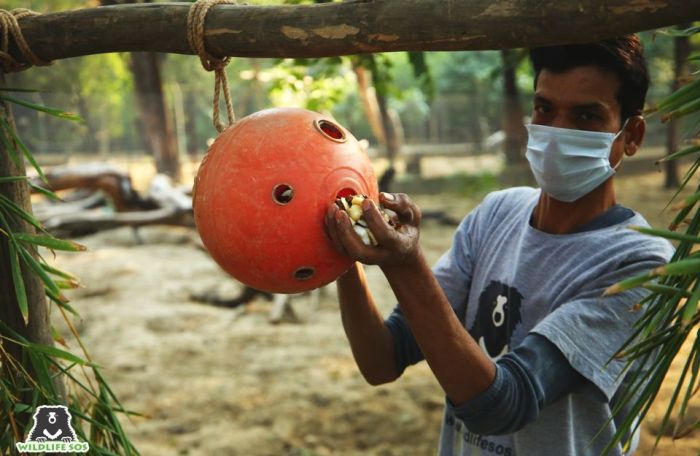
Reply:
x=623, y=55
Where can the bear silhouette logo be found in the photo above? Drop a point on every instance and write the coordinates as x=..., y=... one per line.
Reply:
x=52, y=423
x=496, y=317
x=52, y=433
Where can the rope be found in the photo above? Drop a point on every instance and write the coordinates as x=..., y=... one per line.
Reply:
x=195, y=37
x=9, y=25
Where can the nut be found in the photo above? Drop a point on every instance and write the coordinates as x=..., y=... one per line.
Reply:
x=353, y=206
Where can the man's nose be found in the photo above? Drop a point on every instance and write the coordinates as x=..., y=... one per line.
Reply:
x=562, y=121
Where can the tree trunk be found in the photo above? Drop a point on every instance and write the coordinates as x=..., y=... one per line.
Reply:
x=513, y=127
x=346, y=28
x=681, y=52
x=38, y=328
x=156, y=119
x=191, y=113
x=370, y=105
x=390, y=133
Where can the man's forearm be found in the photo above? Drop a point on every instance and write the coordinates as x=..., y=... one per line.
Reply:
x=454, y=357
x=370, y=340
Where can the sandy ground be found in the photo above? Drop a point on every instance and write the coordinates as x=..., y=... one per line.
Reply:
x=215, y=381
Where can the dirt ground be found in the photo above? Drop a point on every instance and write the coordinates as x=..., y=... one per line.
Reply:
x=215, y=381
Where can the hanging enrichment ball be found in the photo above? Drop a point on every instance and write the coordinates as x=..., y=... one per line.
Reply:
x=262, y=191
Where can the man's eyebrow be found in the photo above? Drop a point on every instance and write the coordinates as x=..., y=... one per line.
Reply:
x=541, y=99
x=596, y=105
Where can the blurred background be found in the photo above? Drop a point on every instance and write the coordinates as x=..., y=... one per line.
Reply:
x=446, y=128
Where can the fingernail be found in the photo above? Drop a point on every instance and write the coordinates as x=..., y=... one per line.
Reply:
x=388, y=196
x=366, y=204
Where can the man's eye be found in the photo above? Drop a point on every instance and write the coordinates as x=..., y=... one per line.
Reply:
x=588, y=116
x=541, y=109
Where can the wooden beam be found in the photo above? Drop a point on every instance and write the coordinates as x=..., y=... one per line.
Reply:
x=350, y=27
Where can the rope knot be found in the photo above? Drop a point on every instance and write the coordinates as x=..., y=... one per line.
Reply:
x=9, y=26
x=195, y=37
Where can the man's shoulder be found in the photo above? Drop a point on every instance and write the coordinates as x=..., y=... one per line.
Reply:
x=640, y=244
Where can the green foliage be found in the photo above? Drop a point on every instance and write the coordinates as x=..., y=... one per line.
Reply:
x=670, y=312
x=95, y=419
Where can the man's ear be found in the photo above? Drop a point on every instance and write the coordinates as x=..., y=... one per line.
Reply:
x=634, y=134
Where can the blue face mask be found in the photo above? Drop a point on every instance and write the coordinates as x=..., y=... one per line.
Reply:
x=568, y=164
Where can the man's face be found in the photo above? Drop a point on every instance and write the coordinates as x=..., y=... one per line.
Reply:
x=582, y=98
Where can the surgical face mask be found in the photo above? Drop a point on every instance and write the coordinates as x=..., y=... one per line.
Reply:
x=568, y=164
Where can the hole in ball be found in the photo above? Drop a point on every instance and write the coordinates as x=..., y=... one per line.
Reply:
x=304, y=273
x=283, y=193
x=330, y=130
x=344, y=193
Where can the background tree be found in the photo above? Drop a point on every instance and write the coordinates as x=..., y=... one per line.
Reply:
x=681, y=52
x=156, y=120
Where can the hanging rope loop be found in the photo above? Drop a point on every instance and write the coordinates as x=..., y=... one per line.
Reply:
x=195, y=37
x=9, y=27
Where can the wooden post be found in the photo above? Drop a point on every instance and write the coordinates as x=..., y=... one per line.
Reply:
x=38, y=329
x=350, y=27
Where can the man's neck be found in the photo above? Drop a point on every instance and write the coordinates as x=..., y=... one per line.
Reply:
x=557, y=217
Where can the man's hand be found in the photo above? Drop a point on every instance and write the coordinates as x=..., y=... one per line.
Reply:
x=397, y=245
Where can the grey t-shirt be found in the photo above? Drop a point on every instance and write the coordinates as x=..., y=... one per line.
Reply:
x=505, y=279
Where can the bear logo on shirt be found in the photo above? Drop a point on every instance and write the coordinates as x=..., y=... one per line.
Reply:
x=496, y=317
x=52, y=423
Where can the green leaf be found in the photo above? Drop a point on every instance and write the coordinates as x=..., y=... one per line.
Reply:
x=60, y=273
x=57, y=336
x=46, y=192
x=7, y=179
x=666, y=234
x=688, y=266
x=9, y=147
x=50, y=242
x=14, y=208
x=680, y=96
x=50, y=111
x=24, y=149
x=58, y=353
x=37, y=267
x=679, y=154
x=690, y=307
x=20, y=291
x=628, y=284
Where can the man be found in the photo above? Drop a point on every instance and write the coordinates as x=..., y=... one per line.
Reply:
x=511, y=320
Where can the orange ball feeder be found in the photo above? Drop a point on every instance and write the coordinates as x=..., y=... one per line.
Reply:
x=261, y=194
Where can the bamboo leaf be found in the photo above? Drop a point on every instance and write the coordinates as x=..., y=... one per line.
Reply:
x=18, y=281
x=628, y=284
x=56, y=336
x=690, y=308
x=24, y=149
x=39, y=270
x=666, y=234
x=693, y=363
x=57, y=353
x=9, y=147
x=60, y=273
x=46, y=192
x=50, y=242
x=666, y=289
x=689, y=266
x=27, y=217
x=50, y=111
x=7, y=179
x=679, y=154
x=67, y=284
x=680, y=96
